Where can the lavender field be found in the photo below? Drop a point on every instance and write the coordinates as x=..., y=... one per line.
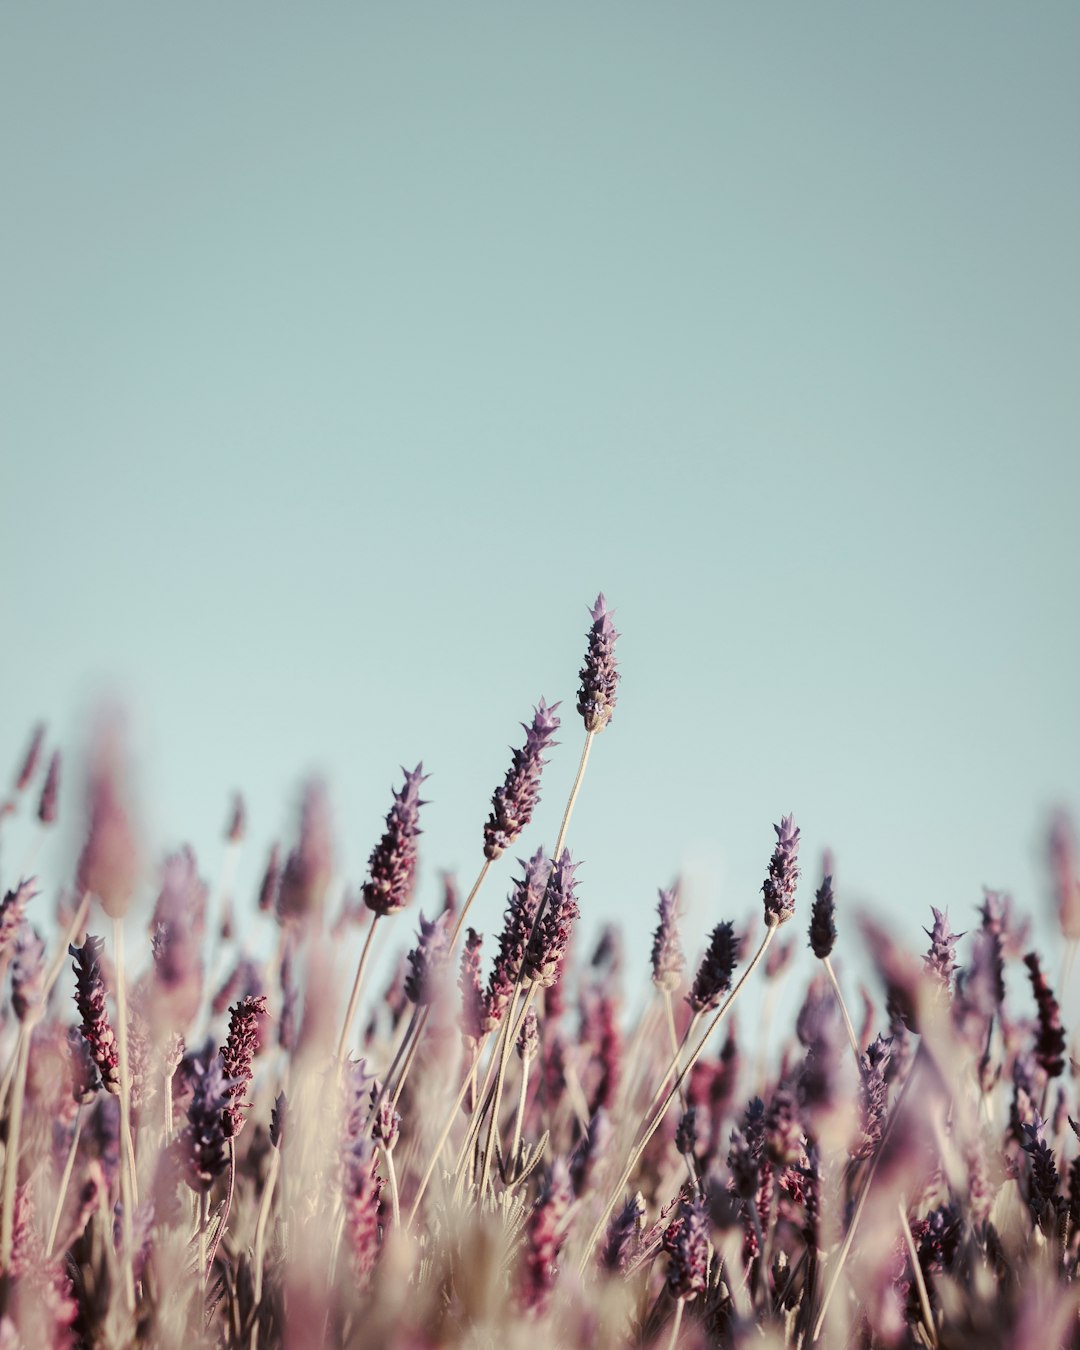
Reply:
x=518, y=1140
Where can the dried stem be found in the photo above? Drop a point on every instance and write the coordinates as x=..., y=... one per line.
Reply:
x=128, y=1183
x=65, y=1181
x=11, y=1152
x=354, y=997
x=852, y=1038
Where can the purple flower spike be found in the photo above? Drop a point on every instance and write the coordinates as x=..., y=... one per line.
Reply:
x=520, y=914
x=202, y=1142
x=94, y=1015
x=392, y=865
x=668, y=960
x=545, y=953
x=686, y=1242
x=237, y=1054
x=546, y=1230
x=624, y=1235
x=29, y=763
x=237, y=823
x=27, y=973
x=13, y=911
x=50, y=792
x=940, y=960
x=473, y=1007
x=513, y=803
x=1050, y=1044
x=109, y=863
x=310, y=865
x=823, y=920
x=426, y=960
x=599, y=676
x=713, y=978
x=779, y=886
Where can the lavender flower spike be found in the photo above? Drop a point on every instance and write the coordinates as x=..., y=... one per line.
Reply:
x=201, y=1144
x=513, y=803
x=668, y=960
x=50, y=791
x=823, y=920
x=94, y=1015
x=240, y=1048
x=392, y=865
x=599, y=676
x=779, y=886
x=686, y=1242
x=713, y=979
x=545, y=952
x=426, y=960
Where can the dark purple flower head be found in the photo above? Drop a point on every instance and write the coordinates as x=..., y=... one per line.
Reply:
x=27, y=973
x=361, y=1188
x=686, y=1242
x=713, y=978
x=940, y=960
x=238, y=1052
x=686, y=1131
x=426, y=960
x=236, y=827
x=668, y=961
x=310, y=866
x=779, y=886
x=546, y=1230
x=109, y=863
x=513, y=803
x=1042, y=1194
x=545, y=952
x=385, y=1123
x=392, y=865
x=50, y=792
x=85, y=1078
x=202, y=1143
x=13, y=912
x=624, y=1235
x=29, y=762
x=93, y=1013
x=517, y=925
x=1050, y=1043
x=823, y=920
x=599, y=675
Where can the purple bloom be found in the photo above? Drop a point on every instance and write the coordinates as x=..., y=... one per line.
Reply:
x=521, y=912
x=426, y=960
x=271, y=882
x=686, y=1242
x=13, y=912
x=474, y=1019
x=1050, y=1043
x=624, y=1235
x=668, y=961
x=713, y=978
x=546, y=1230
x=50, y=792
x=109, y=863
x=85, y=1079
x=940, y=960
x=237, y=823
x=599, y=676
x=528, y=1041
x=547, y=948
x=27, y=972
x=90, y=1001
x=202, y=1143
x=386, y=1123
x=1065, y=875
x=392, y=865
x=686, y=1131
x=178, y=927
x=1043, y=1195
x=310, y=866
x=779, y=886
x=823, y=920
x=513, y=803
x=238, y=1052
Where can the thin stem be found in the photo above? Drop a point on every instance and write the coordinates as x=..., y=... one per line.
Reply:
x=128, y=1185
x=260, y=1227
x=852, y=1038
x=11, y=1153
x=500, y=1078
x=572, y=799
x=639, y=1149
x=676, y=1323
x=673, y=1037
x=65, y=1180
x=468, y=903
x=225, y=1213
x=860, y=1204
x=920, y=1282
x=354, y=997
x=204, y=1213
x=391, y=1177
x=384, y=1087
x=449, y=1125
x=523, y=1091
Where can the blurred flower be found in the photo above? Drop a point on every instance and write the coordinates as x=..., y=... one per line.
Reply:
x=668, y=961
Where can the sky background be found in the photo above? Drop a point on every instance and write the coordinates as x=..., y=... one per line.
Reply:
x=349, y=350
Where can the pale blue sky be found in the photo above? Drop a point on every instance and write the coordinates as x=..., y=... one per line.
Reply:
x=349, y=350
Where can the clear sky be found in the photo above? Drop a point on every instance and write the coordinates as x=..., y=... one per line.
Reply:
x=348, y=350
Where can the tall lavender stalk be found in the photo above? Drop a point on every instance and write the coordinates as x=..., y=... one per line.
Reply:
x=391, y=877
